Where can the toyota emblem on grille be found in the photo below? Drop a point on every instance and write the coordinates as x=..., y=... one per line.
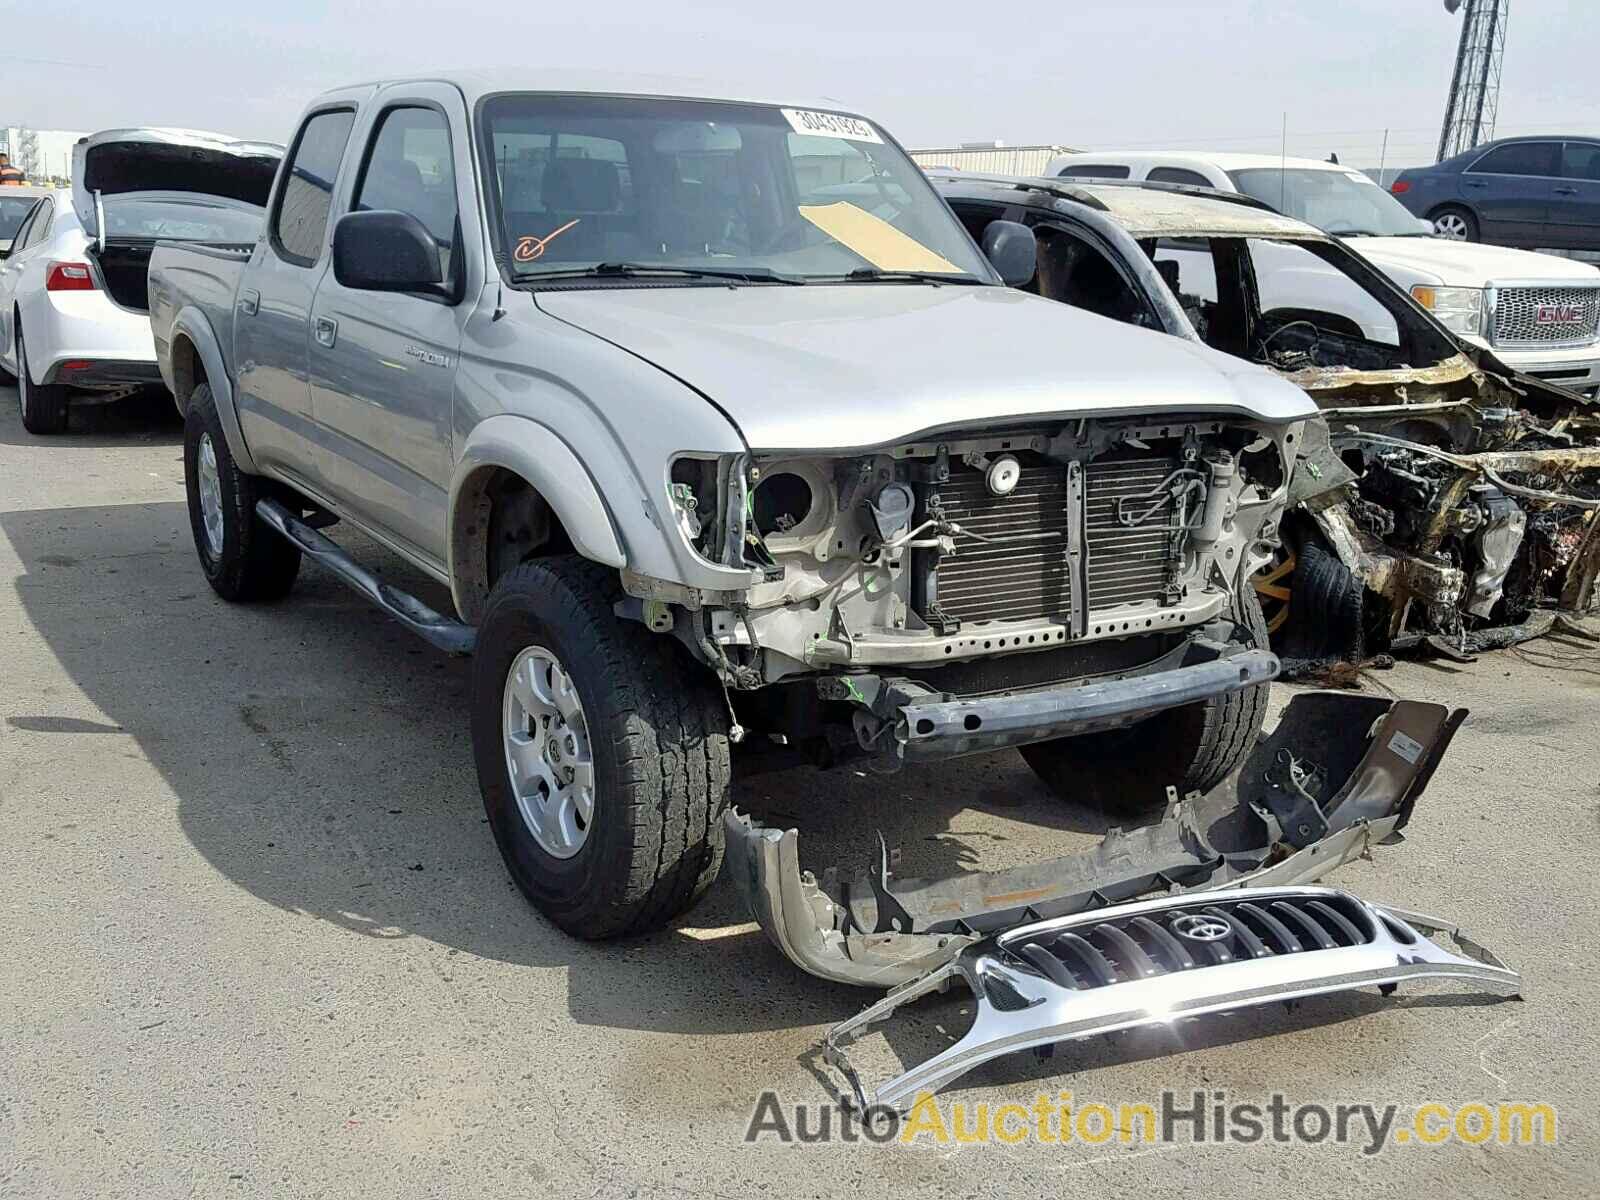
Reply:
x=1195, y=927
x=1560, y=314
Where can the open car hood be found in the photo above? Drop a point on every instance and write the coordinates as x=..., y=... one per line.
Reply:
x=170, y=160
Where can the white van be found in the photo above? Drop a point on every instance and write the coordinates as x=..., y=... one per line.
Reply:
x=1540, y=314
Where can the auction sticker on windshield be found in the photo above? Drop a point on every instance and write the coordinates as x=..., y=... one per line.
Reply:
x=823, y=124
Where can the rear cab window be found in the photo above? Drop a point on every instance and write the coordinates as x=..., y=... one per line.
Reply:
x=1093, y=171
x=300, y=220
x=1178, y=175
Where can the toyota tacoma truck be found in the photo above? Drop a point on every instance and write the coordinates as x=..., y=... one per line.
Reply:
x=720, y=429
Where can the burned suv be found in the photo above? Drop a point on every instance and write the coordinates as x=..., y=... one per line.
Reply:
x=720, y=429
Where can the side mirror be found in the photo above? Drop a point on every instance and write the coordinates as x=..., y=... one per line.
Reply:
x=1426, y=227
x=1012, y=250
x=385, y=251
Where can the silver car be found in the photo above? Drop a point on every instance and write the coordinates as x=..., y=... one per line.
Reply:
x=721, y=430
x=73, y=319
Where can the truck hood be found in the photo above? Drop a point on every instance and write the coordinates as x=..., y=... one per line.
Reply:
x=844, y=367
x=1469, y=264
x=170, y=160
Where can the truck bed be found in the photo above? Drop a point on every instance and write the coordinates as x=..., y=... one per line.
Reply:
x=187, y=275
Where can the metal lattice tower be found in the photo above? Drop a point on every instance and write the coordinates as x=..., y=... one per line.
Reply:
x=26, y=153
x=1475, y=87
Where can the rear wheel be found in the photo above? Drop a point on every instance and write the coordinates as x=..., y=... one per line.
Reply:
x=1454, y=223
x=44, y=406
x=1190, y=748
x=602, y=754
x=243, y=559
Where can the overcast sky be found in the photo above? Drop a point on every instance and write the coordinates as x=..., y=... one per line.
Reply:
x=1218, y=73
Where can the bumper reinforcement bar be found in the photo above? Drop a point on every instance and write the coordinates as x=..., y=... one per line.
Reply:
x=945, y=728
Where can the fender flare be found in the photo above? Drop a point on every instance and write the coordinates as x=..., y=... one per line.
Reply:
x=192, y=324
x=536, y=454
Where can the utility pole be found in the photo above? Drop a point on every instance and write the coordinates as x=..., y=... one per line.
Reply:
x=1469, y=116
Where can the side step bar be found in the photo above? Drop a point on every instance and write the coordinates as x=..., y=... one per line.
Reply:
x=444, y=632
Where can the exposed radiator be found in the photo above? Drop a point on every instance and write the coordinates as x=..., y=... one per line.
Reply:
x=1020, y=571
x=1126, y=564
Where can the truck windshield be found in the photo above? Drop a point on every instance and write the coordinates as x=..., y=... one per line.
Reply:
x=672, y=187
x=1333, y=201
x=181, y=220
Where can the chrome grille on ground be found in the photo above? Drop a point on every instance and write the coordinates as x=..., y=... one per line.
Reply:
x=1020, y=570
x=1212, y=930
x=1126, y=564
x=1543, y=316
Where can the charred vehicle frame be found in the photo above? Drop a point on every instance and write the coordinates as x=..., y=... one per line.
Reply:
x=1443, y=499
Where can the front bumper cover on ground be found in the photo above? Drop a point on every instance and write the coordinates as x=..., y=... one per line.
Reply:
x=1160, y=961
x=1339, y=773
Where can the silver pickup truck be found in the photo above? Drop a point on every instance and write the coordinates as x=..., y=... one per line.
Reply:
x=721, y=429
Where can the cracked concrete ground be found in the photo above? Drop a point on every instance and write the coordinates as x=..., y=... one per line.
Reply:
x=255, y=938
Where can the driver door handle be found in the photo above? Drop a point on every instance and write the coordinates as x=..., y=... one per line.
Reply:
x=326, y=330
x=1565, y=191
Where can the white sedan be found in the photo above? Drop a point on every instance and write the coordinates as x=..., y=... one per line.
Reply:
x=73, y=305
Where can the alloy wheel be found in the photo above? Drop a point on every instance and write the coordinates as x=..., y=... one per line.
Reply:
x=210, y=495
x=547, y=752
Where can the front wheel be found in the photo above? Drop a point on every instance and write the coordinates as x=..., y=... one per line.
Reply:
x=243, y=559
x=602, y=753
x=1191, y=748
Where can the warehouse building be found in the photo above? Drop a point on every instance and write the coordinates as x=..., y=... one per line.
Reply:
x=990, y=158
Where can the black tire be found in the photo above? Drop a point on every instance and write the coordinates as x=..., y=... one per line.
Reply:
x=44, y=406
x=657, y=733
x=1190, y=748
x=1326, y=609
x=253, y=563
x=1468, y=219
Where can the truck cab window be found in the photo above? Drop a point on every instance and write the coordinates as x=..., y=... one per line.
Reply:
x=1093, y=171
x=301, y=222
x=1178, y=175
x=409, y=170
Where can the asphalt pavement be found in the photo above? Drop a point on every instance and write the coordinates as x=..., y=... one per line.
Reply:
x=255, y=938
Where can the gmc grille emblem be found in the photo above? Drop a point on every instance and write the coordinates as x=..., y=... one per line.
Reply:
x=1560, y=314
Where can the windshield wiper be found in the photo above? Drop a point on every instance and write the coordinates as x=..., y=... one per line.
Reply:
x=626, y=270
x=875, y=275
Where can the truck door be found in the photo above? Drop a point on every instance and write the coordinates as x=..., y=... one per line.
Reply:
x=272, y=311
x=383, y=364
x=1511, y=188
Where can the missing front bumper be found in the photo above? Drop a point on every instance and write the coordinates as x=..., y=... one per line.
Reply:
x=1339, y=773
